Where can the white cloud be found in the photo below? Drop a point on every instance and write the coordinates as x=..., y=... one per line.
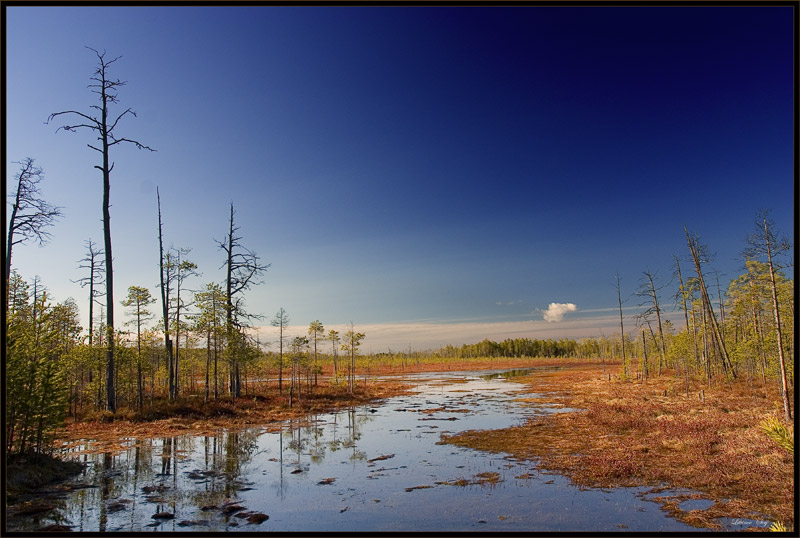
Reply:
x=556, y=311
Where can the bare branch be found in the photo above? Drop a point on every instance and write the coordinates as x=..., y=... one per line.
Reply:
x=119, y=118
x=30, y=214
x=134, y=142
x=71, y=128
x=81, y=114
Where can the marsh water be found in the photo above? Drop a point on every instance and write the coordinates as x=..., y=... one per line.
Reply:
x=370, y=468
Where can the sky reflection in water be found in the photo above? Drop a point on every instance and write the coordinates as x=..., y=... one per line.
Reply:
x=317, y=475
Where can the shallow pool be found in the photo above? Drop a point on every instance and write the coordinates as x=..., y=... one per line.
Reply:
x=370, y=468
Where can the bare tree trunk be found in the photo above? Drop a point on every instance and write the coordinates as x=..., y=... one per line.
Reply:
x=622, y=332
x=216, y=377
x=661, y=350
x=716, y=332
x=779, y=333
x=236, y=390
x=686, y=320
x=208, y=362
x=280, y=362
x=758, y=334
x=111, y=394
x=706, y=351
x=139, y=380
x=165, y=282
x=644, y=357
x=10, y=241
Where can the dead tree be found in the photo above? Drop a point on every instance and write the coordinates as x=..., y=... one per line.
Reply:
x=648, y=289
x=765, y=242
x=104, y=127
x=698, y=252
x=30, y=214
x=621, y=331
x=242, y=269
x=683, y=294
x=166, y=276
x=94, y=279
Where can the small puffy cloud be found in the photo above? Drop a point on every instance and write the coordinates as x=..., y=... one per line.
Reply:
x=556, y=311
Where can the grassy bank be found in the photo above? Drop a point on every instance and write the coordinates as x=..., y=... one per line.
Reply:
x=651, y=433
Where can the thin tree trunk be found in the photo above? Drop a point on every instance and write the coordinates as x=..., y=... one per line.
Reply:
x=758, y=334
x=686, y=320
x=177, y=334
x=779, y=333
x=208, y=362
x=110, y=373
x=139, y=380
x=10, y=242
x=661, y=348
x=622, y=332
x=716, y=332
x=165, y=300
x=644, y=356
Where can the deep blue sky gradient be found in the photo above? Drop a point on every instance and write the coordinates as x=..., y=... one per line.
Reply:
x=413, y=163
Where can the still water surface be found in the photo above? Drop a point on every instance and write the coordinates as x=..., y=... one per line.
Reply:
x=371, y=468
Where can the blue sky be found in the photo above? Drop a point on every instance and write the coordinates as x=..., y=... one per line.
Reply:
x=413, y=165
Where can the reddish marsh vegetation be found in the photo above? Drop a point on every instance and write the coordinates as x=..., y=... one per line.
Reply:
x=651, y=433
x=195, y=416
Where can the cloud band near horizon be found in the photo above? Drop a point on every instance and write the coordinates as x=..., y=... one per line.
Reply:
x=382, y=337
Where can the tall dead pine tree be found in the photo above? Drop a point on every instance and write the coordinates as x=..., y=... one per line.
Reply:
x=166, y=276
x=242, y=269
x=104, y=127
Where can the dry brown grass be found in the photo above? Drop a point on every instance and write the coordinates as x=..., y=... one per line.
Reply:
x=628, y=434
x=198, y=418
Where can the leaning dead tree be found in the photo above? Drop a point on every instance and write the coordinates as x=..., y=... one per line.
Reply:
x=649, y=291
x=103, y=124
x=242, y=270
x=698, y=253
x=30, y=214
